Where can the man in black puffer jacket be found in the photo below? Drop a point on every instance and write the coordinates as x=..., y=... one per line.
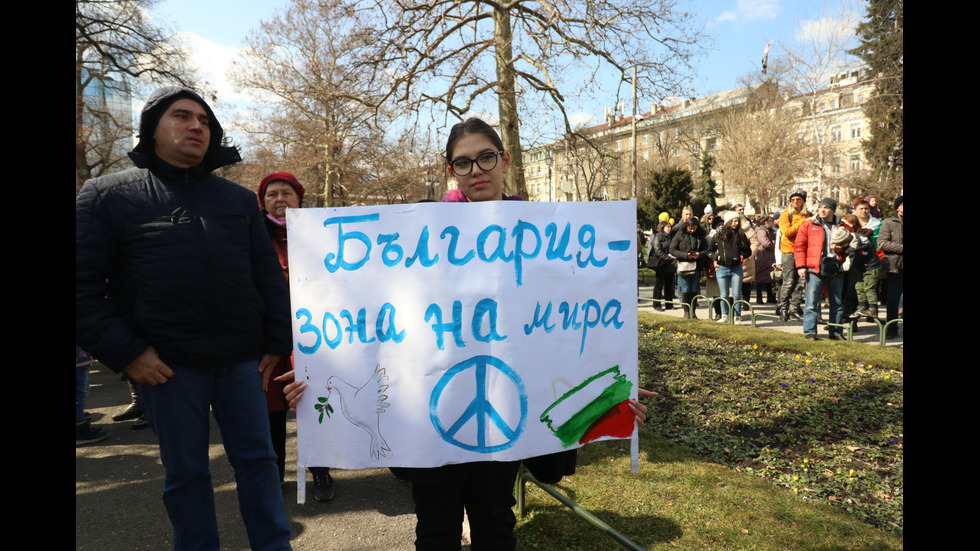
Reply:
x=178, y=286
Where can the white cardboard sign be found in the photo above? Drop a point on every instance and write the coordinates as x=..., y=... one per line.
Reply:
x=438, y=333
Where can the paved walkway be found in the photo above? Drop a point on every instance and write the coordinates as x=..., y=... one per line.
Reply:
x=118, y=485
x=867, y=332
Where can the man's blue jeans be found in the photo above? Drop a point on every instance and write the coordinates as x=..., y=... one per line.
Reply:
x=815, y=286
x=730, y=279
x=179, y=413
x=81, y=391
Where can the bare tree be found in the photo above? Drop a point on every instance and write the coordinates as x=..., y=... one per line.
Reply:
x=302, y=67
x=541, y=50
x=116, y=46
x=667, y=148
x=820, y=51
x=593, y=169
x=408, y=174
x=762, y=152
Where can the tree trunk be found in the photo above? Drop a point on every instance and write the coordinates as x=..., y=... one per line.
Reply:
x=507, y=103
x=82, y=169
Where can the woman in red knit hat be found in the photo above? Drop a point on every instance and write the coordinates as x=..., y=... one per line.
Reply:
x=277, y=192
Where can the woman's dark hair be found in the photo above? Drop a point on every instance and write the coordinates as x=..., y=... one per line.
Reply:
x=728, y=233
x=471, y=125
x=660, y=226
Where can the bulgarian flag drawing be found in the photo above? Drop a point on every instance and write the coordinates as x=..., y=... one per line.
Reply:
x=597, y=407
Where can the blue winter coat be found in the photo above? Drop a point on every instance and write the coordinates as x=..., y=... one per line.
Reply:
x=177, y=259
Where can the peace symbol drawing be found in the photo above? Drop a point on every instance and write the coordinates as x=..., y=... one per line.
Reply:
x=482, y=426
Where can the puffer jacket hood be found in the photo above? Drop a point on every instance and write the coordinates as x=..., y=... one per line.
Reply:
x=217, y=155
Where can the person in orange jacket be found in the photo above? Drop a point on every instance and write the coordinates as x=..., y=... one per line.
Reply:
x=791, y=290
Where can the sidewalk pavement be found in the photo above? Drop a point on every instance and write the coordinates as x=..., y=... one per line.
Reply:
x=119, y=481
x=867, y=332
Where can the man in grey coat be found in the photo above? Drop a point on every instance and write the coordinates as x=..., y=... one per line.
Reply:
x=891, y=242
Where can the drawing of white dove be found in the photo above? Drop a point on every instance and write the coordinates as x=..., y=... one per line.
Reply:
x=363, y=406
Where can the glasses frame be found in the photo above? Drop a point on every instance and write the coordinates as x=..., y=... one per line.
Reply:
x=496, y=159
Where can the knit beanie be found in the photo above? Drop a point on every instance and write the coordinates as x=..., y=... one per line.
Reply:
x=279, y=177
x=829, y=202
x=729, y=215
x=841, y=236
x=898, y=201
x=798, y=193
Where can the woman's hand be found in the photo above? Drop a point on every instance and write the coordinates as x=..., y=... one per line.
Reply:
x=294, y=390
x=640, y=410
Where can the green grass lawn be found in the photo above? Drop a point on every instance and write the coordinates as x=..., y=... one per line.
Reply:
x=758, y=440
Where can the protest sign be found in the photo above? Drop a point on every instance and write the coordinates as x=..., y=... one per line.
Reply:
x=439, y=333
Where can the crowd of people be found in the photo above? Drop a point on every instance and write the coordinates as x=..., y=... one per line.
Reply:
x=180, y=289
x=795, y=259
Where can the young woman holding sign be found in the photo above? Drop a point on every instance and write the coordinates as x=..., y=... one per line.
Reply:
x=476, y=159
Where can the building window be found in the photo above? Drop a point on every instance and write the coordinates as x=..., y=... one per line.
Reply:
x=835, y=164
x=855, y=130
x=854, y=162
x=836, y=134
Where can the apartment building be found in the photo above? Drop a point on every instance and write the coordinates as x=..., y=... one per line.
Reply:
x=608, y=161
x=833, y=121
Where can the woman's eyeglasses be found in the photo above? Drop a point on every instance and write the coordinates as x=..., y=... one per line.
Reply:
x=463, y=165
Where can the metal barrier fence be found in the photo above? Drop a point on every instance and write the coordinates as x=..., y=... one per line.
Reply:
x=753, y=315
x=525, y=476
